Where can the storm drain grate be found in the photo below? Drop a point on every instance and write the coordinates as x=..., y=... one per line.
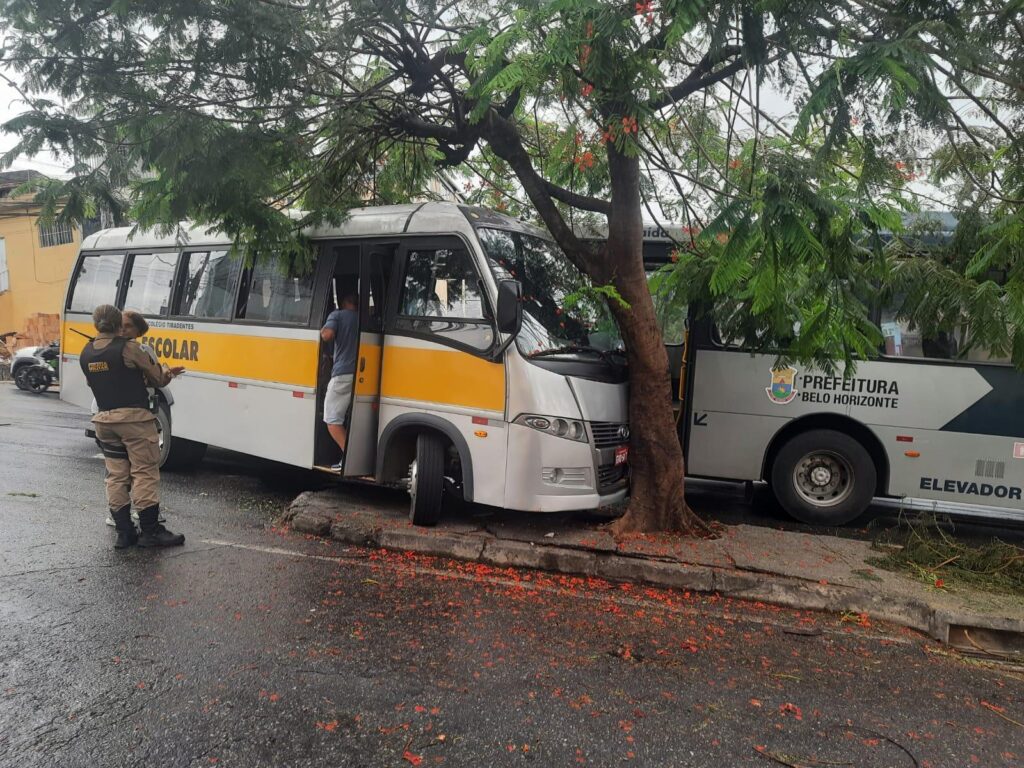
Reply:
x=985, y=641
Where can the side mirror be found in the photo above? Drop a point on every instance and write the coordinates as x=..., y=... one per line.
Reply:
x=510, y=306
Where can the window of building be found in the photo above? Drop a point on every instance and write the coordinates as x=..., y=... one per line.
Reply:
x=275, y=295
x=5, y=277
x=210, y=279
x=96, y=282
x=55, y=233
x=149, y=283
x=442, y=295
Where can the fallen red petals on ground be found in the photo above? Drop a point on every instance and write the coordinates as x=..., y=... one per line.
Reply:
x=791, y=708
x=411, y=758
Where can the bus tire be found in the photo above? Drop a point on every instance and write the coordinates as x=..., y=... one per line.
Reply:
x=823, y=477
x=176, y=452
x=426, y=480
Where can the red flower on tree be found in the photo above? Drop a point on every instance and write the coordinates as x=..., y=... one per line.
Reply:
x=584, y=161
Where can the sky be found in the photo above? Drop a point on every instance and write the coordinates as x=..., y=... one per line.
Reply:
x=12, y=105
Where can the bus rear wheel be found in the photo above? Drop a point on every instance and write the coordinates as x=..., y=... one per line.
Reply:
x=823, y=477
x=426, y=480
x=176, y=452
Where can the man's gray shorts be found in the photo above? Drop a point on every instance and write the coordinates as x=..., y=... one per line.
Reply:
x=338, y=399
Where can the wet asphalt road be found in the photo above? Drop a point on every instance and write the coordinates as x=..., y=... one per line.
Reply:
x=252, y=647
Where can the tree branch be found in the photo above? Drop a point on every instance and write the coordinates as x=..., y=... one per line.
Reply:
x=507, y=144
x=701, y=76
x=576, y=200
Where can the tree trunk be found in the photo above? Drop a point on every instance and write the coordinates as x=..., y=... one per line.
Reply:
x=656, y=458
x=656, y=502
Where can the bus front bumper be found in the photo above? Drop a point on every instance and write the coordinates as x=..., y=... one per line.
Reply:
x=546, y=473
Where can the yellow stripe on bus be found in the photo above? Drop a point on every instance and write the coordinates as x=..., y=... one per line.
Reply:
x=261, y=358
x=443, y=376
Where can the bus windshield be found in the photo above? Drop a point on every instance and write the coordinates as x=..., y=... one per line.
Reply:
x=562, y=314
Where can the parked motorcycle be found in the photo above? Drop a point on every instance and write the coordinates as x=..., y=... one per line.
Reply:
x=24, y=358
x=43, y=371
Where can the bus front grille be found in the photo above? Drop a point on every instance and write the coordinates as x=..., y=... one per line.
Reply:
x=611, y=475
x=608, y=434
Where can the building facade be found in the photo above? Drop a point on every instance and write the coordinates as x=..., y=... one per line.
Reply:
x=35, y=262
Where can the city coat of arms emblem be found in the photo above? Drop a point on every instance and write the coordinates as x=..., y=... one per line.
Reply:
x=783, y=388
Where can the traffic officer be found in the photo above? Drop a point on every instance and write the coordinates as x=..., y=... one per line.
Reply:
x=117, y=371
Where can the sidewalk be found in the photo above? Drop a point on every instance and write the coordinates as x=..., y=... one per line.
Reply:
x=796, y=570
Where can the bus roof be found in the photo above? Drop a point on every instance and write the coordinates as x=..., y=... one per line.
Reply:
x=385, y=220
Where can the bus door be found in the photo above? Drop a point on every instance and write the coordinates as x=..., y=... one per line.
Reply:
x=374, y=271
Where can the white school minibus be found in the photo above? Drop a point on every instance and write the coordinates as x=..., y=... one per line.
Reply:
x=927, y=425
x=474, y=376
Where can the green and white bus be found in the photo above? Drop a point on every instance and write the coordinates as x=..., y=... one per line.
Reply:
x=921, y=426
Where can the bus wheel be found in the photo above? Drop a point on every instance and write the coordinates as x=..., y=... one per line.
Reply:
x=426, y=480
x=176, y=452
x=823, y=477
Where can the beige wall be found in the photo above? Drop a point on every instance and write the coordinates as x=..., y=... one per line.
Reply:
x=37, y=276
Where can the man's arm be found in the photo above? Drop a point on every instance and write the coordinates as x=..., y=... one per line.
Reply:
x=156, y=375
x=330, y=329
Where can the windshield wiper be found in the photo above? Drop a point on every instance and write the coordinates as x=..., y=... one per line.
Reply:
x=604, y=354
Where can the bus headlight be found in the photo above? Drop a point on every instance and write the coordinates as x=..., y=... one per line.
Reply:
x=571, y=429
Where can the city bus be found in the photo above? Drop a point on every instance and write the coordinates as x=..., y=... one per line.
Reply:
x=473, y=379
x=922, y=426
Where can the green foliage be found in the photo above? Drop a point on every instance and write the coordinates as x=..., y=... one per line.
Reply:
x=232, y=114
x=928, y=550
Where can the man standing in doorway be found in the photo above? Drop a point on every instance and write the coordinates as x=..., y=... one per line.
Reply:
x=342, y=327
x=117, y=371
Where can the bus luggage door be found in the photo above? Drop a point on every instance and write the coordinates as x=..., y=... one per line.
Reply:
x=374, y=270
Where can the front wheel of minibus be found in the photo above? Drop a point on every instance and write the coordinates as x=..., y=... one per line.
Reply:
x=823, y=477
x=176, y=452
x=426, y=480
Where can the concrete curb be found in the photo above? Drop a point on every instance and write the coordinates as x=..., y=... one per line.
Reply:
x=962, y=630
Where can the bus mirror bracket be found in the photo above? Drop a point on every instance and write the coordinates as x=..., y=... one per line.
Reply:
x=509, y=314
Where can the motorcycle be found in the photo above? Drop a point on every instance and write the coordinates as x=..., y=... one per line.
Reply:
x=43, y=372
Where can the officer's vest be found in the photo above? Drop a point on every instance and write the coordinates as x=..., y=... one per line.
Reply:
x=114, y=384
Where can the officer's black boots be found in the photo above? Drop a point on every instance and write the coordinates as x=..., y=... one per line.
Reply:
x=126, y=533
x=153, y=533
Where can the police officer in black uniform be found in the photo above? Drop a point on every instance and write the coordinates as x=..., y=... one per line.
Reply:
x=118, y=370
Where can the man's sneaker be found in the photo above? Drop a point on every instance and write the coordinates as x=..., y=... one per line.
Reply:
x=340, y=465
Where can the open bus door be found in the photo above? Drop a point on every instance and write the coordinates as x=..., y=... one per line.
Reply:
x=374, y=270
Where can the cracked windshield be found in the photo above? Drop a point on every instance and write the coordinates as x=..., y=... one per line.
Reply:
x=562, y=313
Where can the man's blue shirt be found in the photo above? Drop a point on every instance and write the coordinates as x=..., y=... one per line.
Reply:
x=345, y=324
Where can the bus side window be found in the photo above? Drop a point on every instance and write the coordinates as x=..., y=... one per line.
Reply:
x=150, y=279
x=208, y=285
x=276, y=295
x=670, y=310
x=96, y=282
x=902, y=339
x=441, y=296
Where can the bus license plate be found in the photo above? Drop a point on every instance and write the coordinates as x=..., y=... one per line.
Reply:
x=621, y=454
